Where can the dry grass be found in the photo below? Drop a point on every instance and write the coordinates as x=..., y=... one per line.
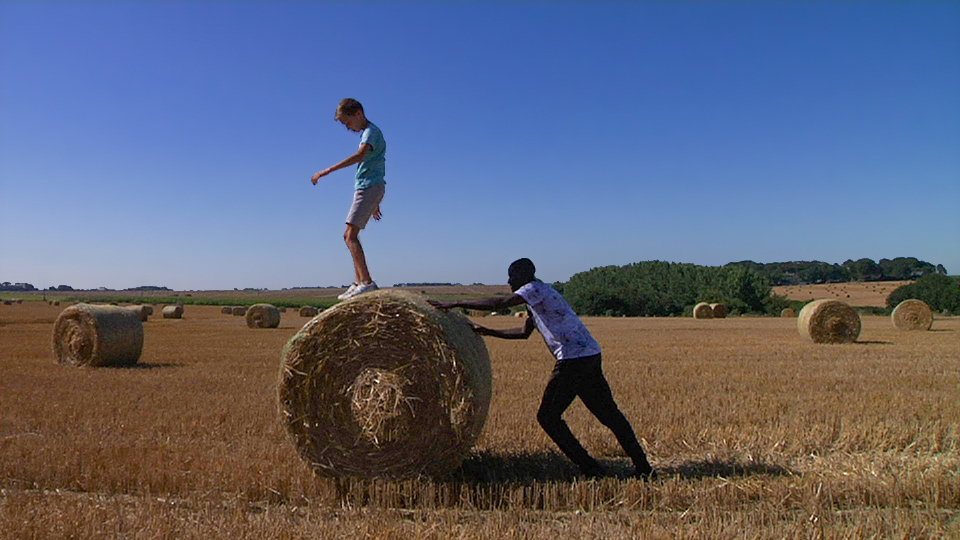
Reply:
x=767, y=437
x=866, y=294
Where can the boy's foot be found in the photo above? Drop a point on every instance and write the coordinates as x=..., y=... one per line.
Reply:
x=346, y=294
x=362, y=288
x=645, y=473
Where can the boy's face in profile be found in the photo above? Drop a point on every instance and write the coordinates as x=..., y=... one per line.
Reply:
x=354, y=122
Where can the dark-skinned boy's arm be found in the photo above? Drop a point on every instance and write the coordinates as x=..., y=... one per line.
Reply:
x=492, y=303
x=512, y=333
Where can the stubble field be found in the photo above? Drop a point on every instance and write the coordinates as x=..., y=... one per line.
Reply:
x=755, y=434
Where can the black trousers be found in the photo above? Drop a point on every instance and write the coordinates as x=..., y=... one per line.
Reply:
x=583, y=378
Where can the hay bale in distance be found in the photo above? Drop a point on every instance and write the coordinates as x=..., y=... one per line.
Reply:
x=309, y=311
x=702, y=311
x=89, y=335
x=384, y=384
x=520, y=314
x=172, y=312
x=912, y=314
x=283, y=309
x=263, y=316
x=829, y=321
x=143, y=312
x=788, y=312
x=719, y=310
x=239, y=311
x=226, y=310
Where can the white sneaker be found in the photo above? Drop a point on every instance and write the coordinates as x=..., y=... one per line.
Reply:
x=362, y=288
x=349, y=292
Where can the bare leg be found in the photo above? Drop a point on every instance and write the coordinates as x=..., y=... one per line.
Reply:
x=352, y=237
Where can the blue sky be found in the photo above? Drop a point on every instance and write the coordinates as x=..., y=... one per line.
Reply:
x=172, y=143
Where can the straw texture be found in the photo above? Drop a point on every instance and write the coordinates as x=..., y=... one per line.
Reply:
x=702, y=311
x=829, y=321
x=263, y=316
x=385, y=385
x=89, y=335
x=912, y=315
x=172, y=312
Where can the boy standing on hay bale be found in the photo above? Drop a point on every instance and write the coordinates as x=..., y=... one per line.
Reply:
x=370, y=187
x=577, y=373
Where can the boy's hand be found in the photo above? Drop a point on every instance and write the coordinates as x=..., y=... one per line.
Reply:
x=377, y=214
x=319, y=175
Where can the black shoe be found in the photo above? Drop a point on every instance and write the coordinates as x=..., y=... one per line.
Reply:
x=645, y=473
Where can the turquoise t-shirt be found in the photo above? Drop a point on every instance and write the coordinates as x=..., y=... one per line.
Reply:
x=372, y=170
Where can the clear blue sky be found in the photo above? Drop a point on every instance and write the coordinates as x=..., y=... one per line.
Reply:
x=172, y=143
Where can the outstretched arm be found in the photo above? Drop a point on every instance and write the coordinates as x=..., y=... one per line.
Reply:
x=512, y=333
x=492, y=303
x=352, y=160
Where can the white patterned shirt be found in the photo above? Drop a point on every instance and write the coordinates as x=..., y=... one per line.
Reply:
x=563, y=332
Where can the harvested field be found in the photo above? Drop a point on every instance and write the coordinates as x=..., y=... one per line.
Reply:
x=867, y=294
x=768, y=436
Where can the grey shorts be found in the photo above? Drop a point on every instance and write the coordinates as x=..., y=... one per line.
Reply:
x=365, y=201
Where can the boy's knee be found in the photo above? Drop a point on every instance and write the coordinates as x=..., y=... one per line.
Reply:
x=547, y=418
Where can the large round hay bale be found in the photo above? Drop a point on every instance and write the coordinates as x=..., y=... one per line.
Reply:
x=172, y=312
x=719, y=310
x=829, y=321
x=788, y=312
x=226, y=310
x=263, y=316
x=239, y=311
x=702, y=311
x=88, y=335
x=143, y=312
x=912, y=315
x=384, y=384
x=309, y=311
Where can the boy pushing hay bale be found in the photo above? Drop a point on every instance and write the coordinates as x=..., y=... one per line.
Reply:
x=912, y=315
x=829, y=321
x=385, y=385
x=88, y=335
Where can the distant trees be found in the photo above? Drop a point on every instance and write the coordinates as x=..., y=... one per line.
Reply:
x=799, y=272
x=938, y=291
x=657, y=288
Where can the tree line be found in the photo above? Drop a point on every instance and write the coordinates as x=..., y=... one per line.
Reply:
x=805, y=272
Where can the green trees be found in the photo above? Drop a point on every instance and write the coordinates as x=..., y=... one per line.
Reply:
x=938, y=291
x=657, y=288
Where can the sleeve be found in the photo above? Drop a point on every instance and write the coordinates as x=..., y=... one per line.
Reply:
x=369, y=136
x=530, y=293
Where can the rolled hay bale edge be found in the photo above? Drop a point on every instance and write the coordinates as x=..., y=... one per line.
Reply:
x=172, y=312
x=144, y=312
x=309, y=311
x=263, y=316
x=719, y=310
x=88, y=335
x=788, y=312
x=239, y=311
x=829, y=321
x=912, y=314
x=702, y=311
x=385, y=385
x=226, y=310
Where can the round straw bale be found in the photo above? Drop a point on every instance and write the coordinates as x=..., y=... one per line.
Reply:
x=239, y=311
x=172, y=312
x=143, y=312
x=520, y=314
x=88, y=335
x=226, y=310
x=829, y=321
x=384, y=384
x=263, y=316
x=702, y=311
x=309, y=311
x=788, y=312
x=719, y=310
x=912, y=315
x=283, y=309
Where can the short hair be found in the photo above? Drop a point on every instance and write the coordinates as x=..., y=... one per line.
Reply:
x=523, y=268
x=348, y=106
